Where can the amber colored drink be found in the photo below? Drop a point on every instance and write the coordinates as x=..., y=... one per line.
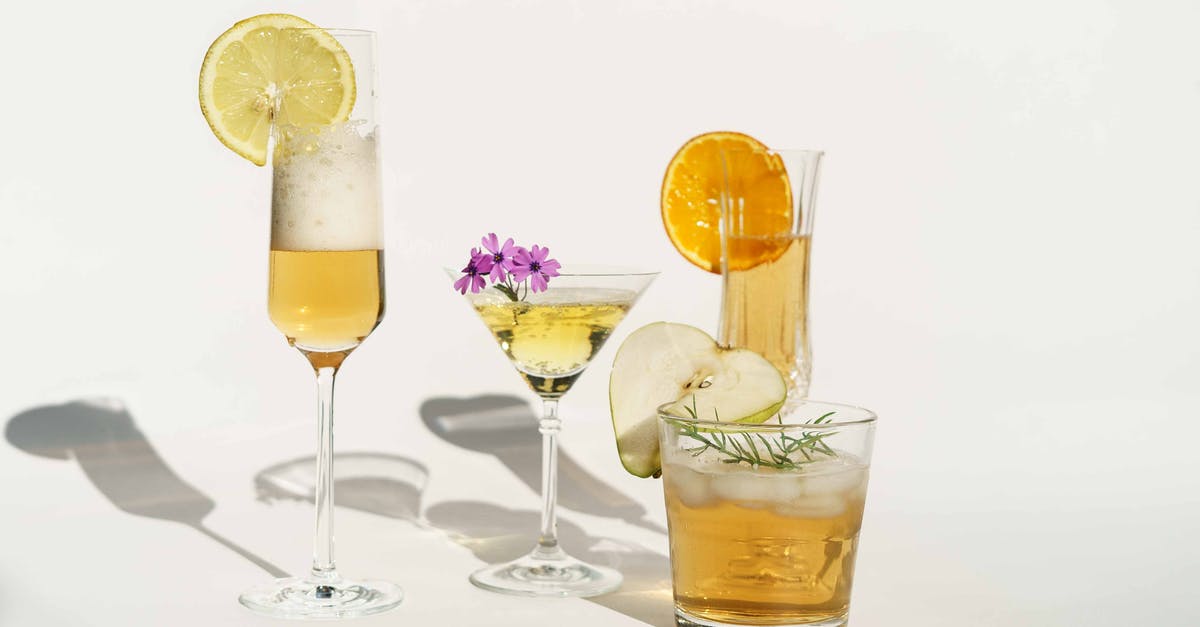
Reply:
x=765, y=307
x=551, y=340
x=760, y=546
x=326, y=300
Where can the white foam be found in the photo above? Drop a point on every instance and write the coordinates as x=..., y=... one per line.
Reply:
x=325, y=191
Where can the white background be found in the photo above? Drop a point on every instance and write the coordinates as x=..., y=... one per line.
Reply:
x=1004, y=268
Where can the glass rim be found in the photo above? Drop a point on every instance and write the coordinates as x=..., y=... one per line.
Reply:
x=816, y=152
x=867, y=417
x=590, y=270
x=335, y=31
x=605, y=270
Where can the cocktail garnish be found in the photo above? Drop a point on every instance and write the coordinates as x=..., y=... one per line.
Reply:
x=676, y=364
x=272, y=70
x=719, y=167
x=513, y=270
x=742, y=448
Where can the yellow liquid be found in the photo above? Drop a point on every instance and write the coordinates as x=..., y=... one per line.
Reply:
x=550, y=343
x=327, y=300
x=765, y=308
x=764, y=562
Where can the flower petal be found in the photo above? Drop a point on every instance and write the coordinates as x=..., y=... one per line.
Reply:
x=491, y=242
x=461, y=283
x=483, y=263
x=471, y=261
x=537, y=282
x=498, y=273
x=519, y=273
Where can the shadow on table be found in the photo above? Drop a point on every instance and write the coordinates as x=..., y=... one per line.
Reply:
x=379, y=483
x=505, y=427
x=101, y=436
x=391, y=486
x=496, y=534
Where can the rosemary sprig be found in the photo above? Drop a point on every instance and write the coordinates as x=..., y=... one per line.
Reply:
x=789, y=453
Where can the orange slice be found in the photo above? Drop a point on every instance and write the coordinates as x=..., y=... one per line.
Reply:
x=758, y=189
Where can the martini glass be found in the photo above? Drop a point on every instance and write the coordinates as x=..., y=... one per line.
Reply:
x=550, y=338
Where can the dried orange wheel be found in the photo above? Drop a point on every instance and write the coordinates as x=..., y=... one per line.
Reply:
x=758, y=187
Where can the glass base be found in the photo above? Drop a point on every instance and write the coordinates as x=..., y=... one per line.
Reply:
x=685, y=619
x=557, y=576
x=311, y=598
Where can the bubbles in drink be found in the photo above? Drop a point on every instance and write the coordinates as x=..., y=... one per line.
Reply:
x=552, y=337
x=326, y=189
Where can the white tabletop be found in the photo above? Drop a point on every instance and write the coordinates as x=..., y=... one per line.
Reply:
x=1004, y=268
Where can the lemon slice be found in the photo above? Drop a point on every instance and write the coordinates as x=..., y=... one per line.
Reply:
x=273, y=68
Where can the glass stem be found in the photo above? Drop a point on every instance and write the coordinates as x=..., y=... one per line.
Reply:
x=323, y=567
x=549, y=426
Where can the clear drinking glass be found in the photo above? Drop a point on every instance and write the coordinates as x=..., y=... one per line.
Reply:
x=550, y=338
x=763, y=520
x=764, y=305
x=326, y=295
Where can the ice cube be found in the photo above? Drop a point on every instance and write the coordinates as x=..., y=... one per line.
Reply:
x=746, y=485
x=840, y=481
x=690, y=487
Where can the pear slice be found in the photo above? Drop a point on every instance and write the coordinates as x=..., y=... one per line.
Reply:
x=665, y=362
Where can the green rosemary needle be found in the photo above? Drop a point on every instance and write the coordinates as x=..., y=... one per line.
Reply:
x=788, y=453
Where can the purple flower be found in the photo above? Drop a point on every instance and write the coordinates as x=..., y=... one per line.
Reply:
x=477, y=268
x=534, y=265
x=502, y=256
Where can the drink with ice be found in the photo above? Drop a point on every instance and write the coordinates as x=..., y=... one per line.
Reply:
x=764, y=519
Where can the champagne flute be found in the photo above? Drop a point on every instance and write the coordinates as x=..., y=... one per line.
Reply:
x=326, y=296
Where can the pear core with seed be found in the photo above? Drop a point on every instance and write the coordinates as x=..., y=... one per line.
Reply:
x=664, y=363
